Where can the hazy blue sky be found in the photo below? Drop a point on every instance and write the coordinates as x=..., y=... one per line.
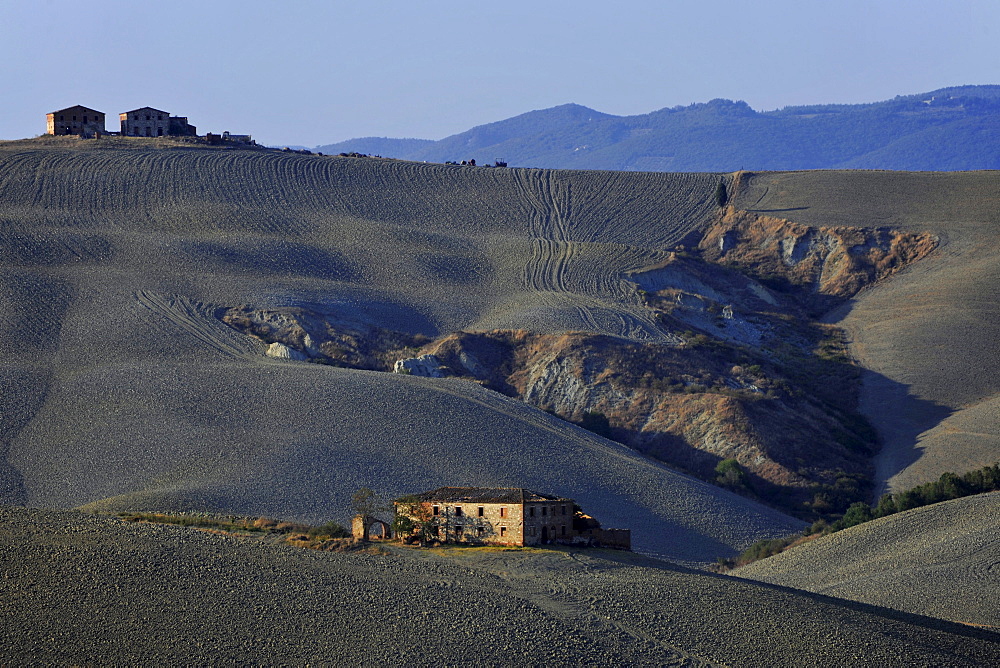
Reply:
x=314, y=72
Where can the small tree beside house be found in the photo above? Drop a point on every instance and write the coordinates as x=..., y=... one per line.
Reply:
x=413, y=518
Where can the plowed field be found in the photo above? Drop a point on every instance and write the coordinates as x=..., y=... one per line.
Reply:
x=84, y=590
x=941, y=560
x=123, y=389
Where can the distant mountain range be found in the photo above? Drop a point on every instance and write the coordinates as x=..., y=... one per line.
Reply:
x=948, y=129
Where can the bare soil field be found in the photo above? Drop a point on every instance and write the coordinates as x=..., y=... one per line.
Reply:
x=928, y=335
x=124, y=390
x=940, y=560
x=78, y=589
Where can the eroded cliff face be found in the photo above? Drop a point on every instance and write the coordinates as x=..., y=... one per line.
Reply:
x=834, y=262
x=690, y=406
x=756, y=378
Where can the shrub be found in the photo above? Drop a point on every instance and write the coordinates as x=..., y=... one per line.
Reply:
x=721, y=197
x=729, y=473
x=858, y=513
x=331, y=529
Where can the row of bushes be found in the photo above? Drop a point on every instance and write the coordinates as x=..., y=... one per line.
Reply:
x=949, y=486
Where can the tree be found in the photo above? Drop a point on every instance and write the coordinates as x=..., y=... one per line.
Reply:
x=721, y=196
x=952, y=487
x=886, y=506
x=859, y=513
x=729, y=473
x=413, y=518
x=367, y=503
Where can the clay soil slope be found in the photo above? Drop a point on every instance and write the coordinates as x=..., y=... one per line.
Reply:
x=84, y=590
x=940, y=560
x=927, y=336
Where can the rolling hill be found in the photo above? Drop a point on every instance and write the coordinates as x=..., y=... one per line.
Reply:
x=136, y=277
x=78, y=589
x=948, y=129
x=939, y=560
x=127, y=391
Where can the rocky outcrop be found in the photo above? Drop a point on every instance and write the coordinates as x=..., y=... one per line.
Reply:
x=323, y=337
x=427, y=366
x=281, y=351
x=828, y=261
x=690, y=406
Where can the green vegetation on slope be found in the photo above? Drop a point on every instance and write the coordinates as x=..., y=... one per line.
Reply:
x=937, y=560
x=948, y=487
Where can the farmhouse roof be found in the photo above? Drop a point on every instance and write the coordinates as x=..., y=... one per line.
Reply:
x=74, y=107
x=486, y=495
x=159, y=111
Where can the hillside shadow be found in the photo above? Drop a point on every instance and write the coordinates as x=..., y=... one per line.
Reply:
x=362, y=310
x=900, y=418
x=631, y=559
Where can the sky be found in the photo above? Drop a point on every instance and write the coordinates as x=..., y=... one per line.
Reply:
x=316, y=72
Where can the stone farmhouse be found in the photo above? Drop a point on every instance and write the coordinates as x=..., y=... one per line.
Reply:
x=506, y=516
x=142, y=122
x=150, y=122
x=76, y=120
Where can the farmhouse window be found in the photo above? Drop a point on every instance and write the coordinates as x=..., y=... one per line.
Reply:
x=544, y=510
x=437, y=510
x=503, y=512
x=562, y=529
x=480, y=531
x=74, y=118
x=531, y=511
x=458, y=511
x=458, y=531
x=480, y=511
x=564, y=510
x=503, y=531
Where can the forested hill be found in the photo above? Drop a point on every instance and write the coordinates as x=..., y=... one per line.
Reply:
x=948, y=129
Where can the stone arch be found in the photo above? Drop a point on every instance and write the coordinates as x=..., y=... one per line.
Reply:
x=378, y=530
x=370, y=528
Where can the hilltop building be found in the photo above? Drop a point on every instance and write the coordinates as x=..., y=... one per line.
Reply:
x=506, y=516
x=150, y=122
x=178, y=126
x=145, y=122
x=76, y=120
